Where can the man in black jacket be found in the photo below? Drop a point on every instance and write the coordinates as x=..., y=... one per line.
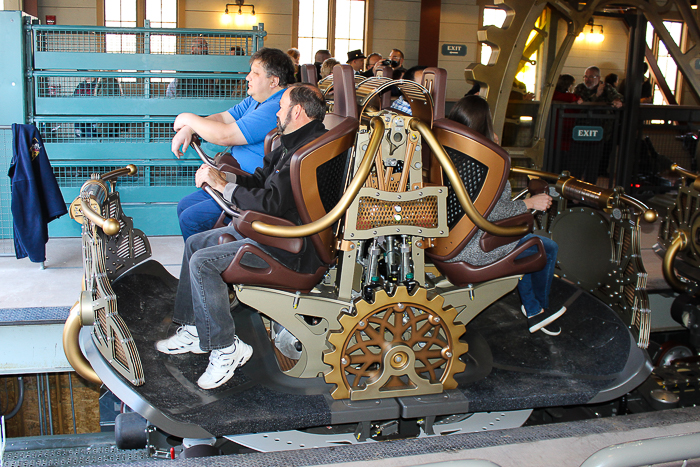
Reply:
x=201, y=304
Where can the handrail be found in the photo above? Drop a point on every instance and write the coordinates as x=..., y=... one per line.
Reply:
x=679, y=243
x=458, y=186
x=116, y=173
x=194, y=144
x=337, y=212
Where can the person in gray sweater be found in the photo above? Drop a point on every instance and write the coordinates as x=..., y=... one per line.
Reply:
x=473, y=112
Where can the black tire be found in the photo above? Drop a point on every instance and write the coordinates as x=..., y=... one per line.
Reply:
x=130, y=431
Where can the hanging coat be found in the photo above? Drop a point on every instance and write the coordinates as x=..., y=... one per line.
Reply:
x=36, y=198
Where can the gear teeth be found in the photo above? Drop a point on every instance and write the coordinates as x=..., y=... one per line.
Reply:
x=419, y=299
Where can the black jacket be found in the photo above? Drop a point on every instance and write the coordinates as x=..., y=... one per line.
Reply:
x=269, y=190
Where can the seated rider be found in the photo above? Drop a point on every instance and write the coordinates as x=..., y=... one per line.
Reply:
x=243, y=127
x=202, y=302
x=473, y=112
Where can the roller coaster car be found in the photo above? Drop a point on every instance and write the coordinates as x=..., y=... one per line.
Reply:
x=390, y=343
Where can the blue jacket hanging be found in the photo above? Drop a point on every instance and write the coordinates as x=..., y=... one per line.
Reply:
x=36, y=198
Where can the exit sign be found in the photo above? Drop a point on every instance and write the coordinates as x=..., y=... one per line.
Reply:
x=587, y=133
x=459, y=50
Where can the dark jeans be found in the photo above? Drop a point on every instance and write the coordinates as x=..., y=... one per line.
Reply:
x=197, y=212
x=534, y=287
x=202, y=295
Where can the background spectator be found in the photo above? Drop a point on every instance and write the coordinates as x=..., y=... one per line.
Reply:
x=327, y=67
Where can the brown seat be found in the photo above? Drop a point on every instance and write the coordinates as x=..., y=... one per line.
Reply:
x=483, y=167
x=318, y=174
x=308, y=73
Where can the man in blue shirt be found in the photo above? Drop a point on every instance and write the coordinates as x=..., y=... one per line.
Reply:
x=243, y=127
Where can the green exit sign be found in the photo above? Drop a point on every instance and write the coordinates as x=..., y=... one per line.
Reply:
x=587, y=133
x=459, y=50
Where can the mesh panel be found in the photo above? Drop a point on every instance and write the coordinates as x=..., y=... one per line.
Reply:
x=98, y=40
x=7, y=247
x=148, y=175
x=130, y=85
x=373, y=213
x=329, y=177
x=473, y=174
x=105, y=131
x=667, y=143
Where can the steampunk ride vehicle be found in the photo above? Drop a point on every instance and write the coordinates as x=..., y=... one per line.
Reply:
x=394, y=338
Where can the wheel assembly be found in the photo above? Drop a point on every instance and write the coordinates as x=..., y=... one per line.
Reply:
x=400, y=345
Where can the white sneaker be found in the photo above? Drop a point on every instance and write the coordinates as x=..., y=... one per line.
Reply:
x=184, y=340
x=223, y=362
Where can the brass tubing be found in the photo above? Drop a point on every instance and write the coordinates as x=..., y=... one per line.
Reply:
x=109, y=226
x=337, y=212
x=686, y=173
x=584, y=192
x=649, y=215
x=534, y=173
x=679, y=243
x=128, y=170
x=71, y=346
x=454, y=178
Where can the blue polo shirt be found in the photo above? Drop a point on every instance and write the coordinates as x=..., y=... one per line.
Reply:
x=255, y=120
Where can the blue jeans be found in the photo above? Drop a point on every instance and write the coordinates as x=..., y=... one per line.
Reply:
x=202, y=295
x=197, y=212
x=534, y=287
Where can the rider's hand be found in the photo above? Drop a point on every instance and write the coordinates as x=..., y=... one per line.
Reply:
x=210, y=176
x=181, y=141
x=540, y=202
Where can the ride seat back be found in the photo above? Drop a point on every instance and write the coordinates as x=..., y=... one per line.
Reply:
x=308, y=73
x=483, y=167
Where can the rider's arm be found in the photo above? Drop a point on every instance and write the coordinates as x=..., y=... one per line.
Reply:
x=219, y=128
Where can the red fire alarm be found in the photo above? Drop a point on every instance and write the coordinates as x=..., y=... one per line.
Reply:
x=50, y=19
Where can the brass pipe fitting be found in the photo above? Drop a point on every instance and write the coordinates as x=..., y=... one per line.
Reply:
x=71, y=343
x=331, y=217
x=679, y=243
x=116, y=173
x=109, y=226
x=458, y=186
x=650, y=215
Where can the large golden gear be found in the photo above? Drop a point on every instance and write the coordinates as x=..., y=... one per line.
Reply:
x=400, y=345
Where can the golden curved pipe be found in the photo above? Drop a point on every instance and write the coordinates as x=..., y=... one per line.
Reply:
x=458, y=186
x=331, y=217
x=686, y=173
x=535, y=172
x=71, y=345
x=650, y=215
x=679, y=243
x=109, y=226
x=116, y=173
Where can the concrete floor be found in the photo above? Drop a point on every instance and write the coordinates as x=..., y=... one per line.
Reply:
x=26, y=285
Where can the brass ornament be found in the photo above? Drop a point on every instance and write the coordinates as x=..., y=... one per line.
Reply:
x=400, y=345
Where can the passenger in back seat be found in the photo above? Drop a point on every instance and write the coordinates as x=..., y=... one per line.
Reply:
x=473, y=112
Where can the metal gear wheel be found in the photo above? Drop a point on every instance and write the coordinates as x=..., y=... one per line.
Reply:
x=399, y=345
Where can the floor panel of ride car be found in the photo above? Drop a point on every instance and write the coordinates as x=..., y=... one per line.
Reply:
x=527, y=370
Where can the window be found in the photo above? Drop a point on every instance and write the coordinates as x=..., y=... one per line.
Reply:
x=491, y=17
x=665, y=61
x=347, y=31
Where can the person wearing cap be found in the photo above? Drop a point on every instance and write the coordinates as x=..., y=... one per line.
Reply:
x=356, y=60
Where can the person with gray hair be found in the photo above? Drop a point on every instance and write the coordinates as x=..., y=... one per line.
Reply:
x=243, y=127
x=594, y=90
x=202, y=307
